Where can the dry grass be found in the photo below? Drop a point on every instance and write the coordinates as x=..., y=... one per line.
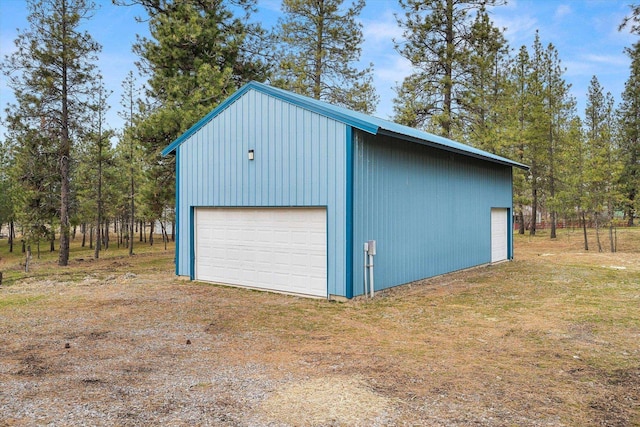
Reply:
x=552, y=338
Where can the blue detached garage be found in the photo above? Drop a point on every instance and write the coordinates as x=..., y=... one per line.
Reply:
x=281, y=192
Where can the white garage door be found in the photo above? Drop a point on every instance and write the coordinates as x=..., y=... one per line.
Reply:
x=498, y=234
x=281, y=249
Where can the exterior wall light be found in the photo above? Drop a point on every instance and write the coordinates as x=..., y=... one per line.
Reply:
x=250, y=154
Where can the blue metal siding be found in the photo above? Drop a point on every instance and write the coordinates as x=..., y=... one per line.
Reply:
x=428, y=210
x=300, y=160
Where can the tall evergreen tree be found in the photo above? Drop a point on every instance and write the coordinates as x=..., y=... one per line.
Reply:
x=7, y=192
x=51, y=73
x=95, y=156
x=536, y=128
x=35, y=170
x=319, y=43
x=516, y=111
x=483, y=96
x=437, y=37
x=129, y=102
x=629, y=118
x=197, y=55
x=602, y=164
x=549, y=112
x=573, y=196
x=102, y=155
x=560, y=110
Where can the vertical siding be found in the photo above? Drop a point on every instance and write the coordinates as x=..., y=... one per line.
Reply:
x=428, y=210
x=299, y=161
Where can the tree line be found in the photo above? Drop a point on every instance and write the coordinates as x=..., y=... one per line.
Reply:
x=64, y=169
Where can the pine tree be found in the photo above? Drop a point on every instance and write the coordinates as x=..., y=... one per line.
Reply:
x=602, y=158
x=438, y=35
x=95, y=157
x=573, y=196
x=35, y=173
x=197, y=55
x=484, y=95
x=536, y=128
x=516, y=112
x=560, y=110
x=629, y=119
x=7, y=192
x=319, y=43
x=129, y=102
x=51, y=74
x=549, y=111
x=633, y=20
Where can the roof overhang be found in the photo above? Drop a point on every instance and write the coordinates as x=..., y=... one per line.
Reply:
x=478, y=155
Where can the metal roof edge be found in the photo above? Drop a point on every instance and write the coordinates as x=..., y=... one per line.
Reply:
x=351, y=118
x=464, y=149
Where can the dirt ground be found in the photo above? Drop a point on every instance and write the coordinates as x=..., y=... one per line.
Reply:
x=550, y=339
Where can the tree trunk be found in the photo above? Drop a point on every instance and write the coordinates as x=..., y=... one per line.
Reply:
x=105, y=234
x=552, y=182
x=630, y=208
x=598, y=232
x=151, y=227
x=584, y=230
x=96, y=253
x=165, y=238
x=534, y=212
x=65, y=150
x=91, y=238
x=12, y=235
x=611, y=240
x=448, y=71
x=132, y=210
x=521, y=223
x=27, y=259
x=173, y=231
x=83, y=229
x=318, y=56
x=98, y=248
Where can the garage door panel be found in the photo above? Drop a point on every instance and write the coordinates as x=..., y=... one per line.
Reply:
x=282, y=249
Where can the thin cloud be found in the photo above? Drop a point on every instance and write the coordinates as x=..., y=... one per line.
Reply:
x=393, y=71
x=518, y=30
x=272, y=5
x=613, y=60
x=562, y=11
x=385, y=28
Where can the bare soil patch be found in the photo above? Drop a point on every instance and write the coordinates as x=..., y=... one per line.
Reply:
x=552, y=338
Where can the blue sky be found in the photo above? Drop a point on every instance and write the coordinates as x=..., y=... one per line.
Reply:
x=585, y=33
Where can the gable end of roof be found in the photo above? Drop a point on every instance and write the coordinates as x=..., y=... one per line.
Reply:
x=351, y=118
